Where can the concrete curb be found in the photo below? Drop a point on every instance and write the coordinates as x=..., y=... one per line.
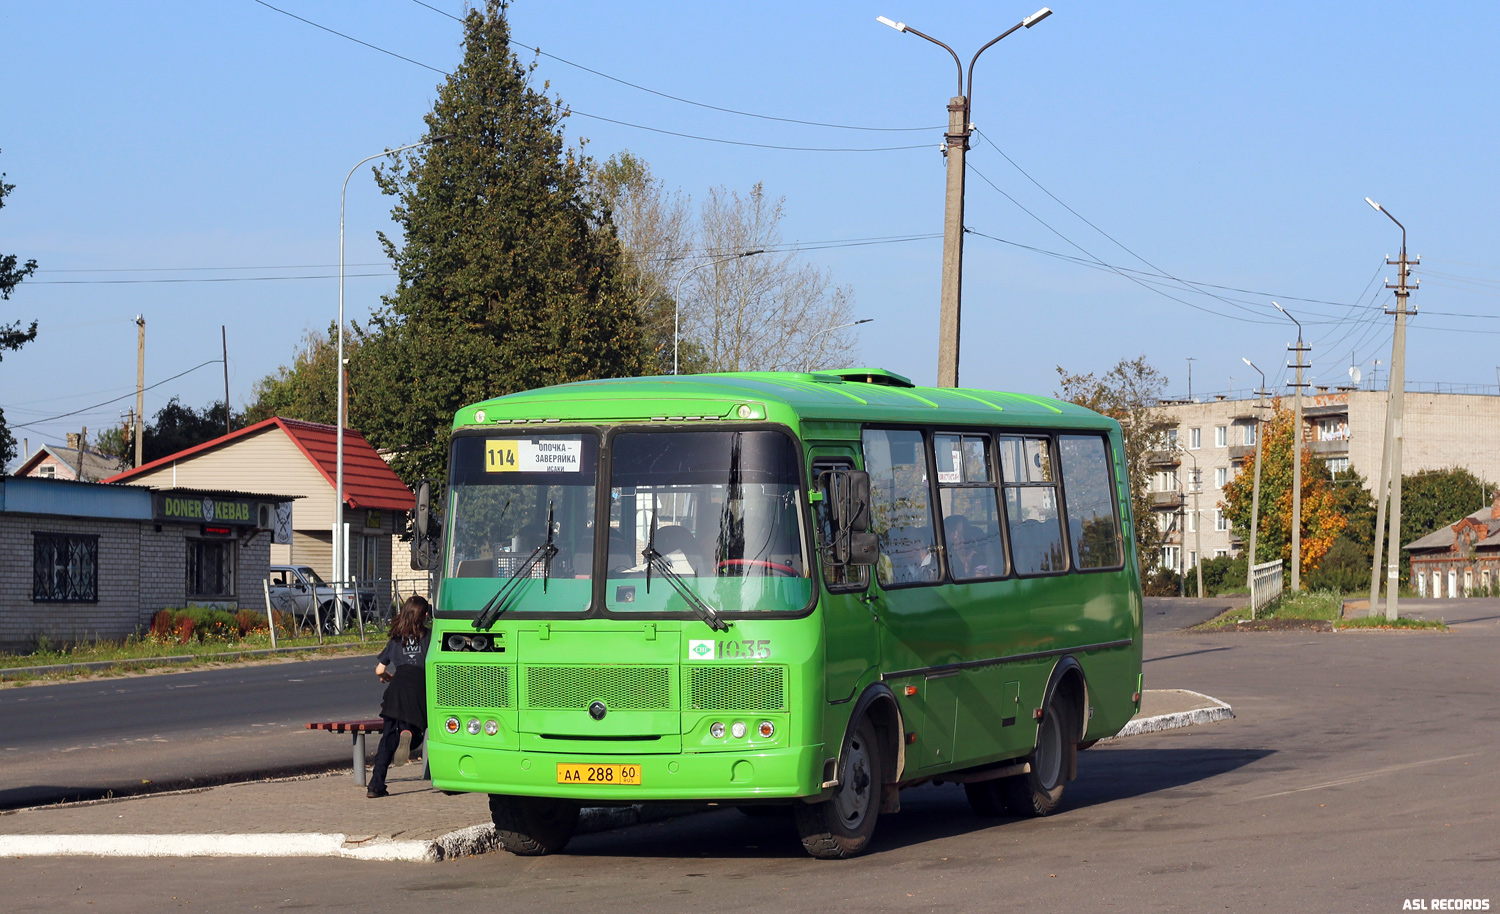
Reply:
x=1218, y=710
x=465, y=842
x=97, y=665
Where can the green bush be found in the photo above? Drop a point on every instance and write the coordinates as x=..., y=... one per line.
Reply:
x=1345, y=569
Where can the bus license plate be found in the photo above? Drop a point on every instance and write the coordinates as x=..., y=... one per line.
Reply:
x=598, y=774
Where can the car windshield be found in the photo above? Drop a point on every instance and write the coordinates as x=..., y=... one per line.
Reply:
x=310, y=575
x=719, y=510
x=504, y=490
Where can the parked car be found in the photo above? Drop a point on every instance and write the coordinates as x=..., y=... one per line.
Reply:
x=298, y=589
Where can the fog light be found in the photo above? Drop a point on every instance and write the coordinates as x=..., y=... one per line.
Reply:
x=491, y=728
x=458, y=642
x=738, y=730
x=716, y=730
x=479, y=642
x=473, y=727
x=766, y=729
x=452, y=725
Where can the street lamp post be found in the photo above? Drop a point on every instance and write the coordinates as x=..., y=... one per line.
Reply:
x=957, y=143
x=1296, y=459
x=677, y=296
x=340, y=557
x=1197, y=522
x=1255, y=489
x=1394, y=414
x=819, y=333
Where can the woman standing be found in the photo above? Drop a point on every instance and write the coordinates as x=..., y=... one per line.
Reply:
x=404, y=707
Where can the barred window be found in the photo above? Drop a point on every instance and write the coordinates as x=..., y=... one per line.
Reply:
x=210, y=568
x=65, y=568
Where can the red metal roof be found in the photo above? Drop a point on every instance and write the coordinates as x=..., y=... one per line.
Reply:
x=368, y=481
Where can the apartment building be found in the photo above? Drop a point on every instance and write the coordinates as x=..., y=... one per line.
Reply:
x=1210, y=440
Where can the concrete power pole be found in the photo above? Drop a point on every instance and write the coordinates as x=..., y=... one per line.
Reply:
x=140, y=386
x=1394, y=415
x=1255, y=491
x=953, y=242
x=1299, y=349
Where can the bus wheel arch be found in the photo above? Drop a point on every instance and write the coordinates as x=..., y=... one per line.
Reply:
x=1054, y=757
x=879, y=704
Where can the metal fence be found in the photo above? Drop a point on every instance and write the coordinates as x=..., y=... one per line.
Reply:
x=378, y=600
x=1266, y=582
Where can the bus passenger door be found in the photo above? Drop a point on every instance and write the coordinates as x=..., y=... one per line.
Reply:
x=851, y=646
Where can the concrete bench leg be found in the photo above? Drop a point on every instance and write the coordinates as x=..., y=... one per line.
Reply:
x=359, y=759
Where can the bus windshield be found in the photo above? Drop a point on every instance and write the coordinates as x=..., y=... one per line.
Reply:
x=719, y=508
x=505, y=490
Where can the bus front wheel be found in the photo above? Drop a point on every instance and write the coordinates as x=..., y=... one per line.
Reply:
x=840, y=827
x=1039, y=791
x=533, y=826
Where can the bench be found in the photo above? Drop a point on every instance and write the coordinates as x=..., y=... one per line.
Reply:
x=358, y=728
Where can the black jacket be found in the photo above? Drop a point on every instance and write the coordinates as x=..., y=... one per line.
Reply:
x=406, y=696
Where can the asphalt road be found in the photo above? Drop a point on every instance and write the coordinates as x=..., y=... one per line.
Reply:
x=1168, y=614
x=1358, y=774
x=122, y=735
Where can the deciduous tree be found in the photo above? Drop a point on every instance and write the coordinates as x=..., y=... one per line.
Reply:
x=1322, y=518
x=307, y=389
x=14, y=335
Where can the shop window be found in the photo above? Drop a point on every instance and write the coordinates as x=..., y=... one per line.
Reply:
x=65, y=568
x=210, y=568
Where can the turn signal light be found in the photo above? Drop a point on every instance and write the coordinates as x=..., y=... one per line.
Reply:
x=451, y=725
x=766, y=729
x=910, y=691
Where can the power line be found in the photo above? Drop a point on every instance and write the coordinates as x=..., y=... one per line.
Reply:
x=565, y=110
x=122, y=282
x=119, y=398
x=688, y=101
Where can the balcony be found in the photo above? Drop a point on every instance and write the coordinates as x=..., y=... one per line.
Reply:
x=1240, y=451
x=1162, y=501
x=1335, y=446
x=1163, y=458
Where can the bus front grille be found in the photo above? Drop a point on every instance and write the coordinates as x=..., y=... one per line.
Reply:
x=621, y=688
x=466, y=686
x=737, y=688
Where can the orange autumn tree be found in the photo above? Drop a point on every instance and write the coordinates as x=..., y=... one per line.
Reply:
x=1321, y=519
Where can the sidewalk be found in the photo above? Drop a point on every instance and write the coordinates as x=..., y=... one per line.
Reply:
x=329, y=816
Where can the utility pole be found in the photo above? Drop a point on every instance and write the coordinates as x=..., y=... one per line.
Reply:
x=224, y=342
x=140, y=385
x=1394, y=415
x=83, y=439
x=1255, y=489
x=1190, y=361
x=1299, y=349
x=1197, y=483
x=956, y=143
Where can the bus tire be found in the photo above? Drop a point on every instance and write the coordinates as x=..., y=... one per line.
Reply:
x=533, y=826
x=840, y=827
x=1039, y=791
x=985, y=798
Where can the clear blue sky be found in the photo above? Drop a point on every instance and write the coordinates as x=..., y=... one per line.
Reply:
x=1230, y=144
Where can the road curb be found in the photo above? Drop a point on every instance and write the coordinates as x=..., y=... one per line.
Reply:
x=464, y=842
x=1217, y=710
x=98, y=665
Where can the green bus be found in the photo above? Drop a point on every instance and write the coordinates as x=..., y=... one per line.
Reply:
x=805, y=590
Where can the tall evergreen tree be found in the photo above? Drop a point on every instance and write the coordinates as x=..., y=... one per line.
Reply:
x=509, y=271
x=12, y=336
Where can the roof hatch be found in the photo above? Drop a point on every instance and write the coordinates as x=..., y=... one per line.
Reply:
x=871, y=376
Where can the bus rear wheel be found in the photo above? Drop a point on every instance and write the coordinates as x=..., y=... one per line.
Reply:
x=840, y=827
x=533, y=826
x=1039, y=791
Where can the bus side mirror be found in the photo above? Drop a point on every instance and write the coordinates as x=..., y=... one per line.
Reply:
x=421, y=541
x=854, y=544
x=864, y=549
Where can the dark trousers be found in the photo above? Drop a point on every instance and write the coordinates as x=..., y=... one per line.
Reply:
x=390, y=738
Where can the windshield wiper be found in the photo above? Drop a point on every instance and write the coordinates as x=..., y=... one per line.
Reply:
x=695, y=602
x=512, y=586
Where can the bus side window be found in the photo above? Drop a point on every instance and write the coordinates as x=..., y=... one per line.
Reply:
x=836, y=577
x=901, y=507
x=1030, y=484
x=1092, y=524
x=970, y=507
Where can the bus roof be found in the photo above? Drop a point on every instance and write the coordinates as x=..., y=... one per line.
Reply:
x=843, y=395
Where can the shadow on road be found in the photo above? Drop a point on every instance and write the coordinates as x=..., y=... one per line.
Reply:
x=927, y=813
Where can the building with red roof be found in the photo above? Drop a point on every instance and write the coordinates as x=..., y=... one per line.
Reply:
x=300, y=459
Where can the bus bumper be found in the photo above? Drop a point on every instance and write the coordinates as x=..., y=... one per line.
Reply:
x=769, y=774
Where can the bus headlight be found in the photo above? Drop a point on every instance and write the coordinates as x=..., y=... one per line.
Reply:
x=737, y=730
x=716, y=730
x=491, y=728
x=473, y=726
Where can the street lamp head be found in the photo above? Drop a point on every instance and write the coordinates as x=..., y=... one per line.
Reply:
x=1248, y=362
x=1279, y=308
x=1374, y=204
x=1036, y=17
x=898, y=26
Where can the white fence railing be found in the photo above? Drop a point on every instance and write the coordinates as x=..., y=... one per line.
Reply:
x=1266, y=583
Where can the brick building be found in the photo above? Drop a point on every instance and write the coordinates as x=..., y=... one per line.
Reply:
x=1345, y=427
x=81, y=561
x=1460, y=559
